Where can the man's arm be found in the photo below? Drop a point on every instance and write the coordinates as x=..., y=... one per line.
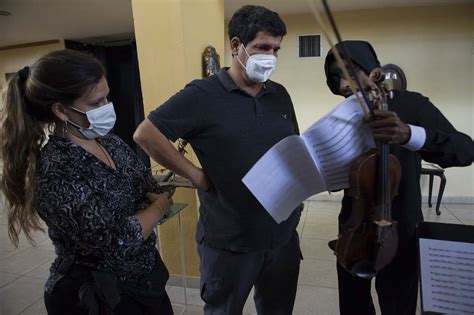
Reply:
x=158, y=147
x=444, y=145
x=440, y=142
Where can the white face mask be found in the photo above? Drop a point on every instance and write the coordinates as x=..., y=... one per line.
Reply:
x=259, y=67
x=101, y=121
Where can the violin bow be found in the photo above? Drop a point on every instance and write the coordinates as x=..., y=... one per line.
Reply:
x=345, y=70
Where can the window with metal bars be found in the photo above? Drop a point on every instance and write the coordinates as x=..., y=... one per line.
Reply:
x=309, y=46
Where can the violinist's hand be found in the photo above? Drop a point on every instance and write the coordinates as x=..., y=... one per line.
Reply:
x=388, y=128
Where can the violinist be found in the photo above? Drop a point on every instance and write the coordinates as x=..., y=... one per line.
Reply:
x=414, y=129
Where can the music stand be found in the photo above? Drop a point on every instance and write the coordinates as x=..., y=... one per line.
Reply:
x=446, y=265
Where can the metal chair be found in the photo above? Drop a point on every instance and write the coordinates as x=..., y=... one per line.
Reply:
x=400, y=83
x=434, y=170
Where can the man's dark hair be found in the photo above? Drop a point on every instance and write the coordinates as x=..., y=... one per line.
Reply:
x=251, y=19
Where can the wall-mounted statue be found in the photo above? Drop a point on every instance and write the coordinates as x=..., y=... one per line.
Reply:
x=210, y=62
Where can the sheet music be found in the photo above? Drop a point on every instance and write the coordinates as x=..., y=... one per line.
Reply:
x=336, y=139
x=298, y=167
x=447, y=276
x=284, y=177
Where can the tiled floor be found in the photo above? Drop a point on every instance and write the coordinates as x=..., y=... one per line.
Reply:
x=23, y=271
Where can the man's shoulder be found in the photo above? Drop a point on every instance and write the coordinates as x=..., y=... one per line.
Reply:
x=196, y=89
x=410, y=95
x=204, y=83
x=413, y=100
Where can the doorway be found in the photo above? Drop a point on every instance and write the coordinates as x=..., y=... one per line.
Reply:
x=120, y=60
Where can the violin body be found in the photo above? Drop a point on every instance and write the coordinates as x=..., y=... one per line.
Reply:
x=368, y=241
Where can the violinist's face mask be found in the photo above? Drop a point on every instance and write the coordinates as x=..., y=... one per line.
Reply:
x=101, y=121
x=339, y=85
x=259, y=67
x=334, y=80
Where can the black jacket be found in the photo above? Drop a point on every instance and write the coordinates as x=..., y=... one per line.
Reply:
x=444, y=146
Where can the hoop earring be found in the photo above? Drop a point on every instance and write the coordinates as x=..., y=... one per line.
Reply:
x=65, y=131
x=51, y=127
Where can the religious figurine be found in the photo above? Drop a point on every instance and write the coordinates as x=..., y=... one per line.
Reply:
x=210, y=62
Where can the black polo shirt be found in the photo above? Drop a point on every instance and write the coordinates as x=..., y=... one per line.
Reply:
x=229, y=130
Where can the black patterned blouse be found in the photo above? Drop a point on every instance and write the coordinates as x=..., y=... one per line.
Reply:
x=89, y=207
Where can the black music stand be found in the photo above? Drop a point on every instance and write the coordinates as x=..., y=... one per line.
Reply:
x=445, y=260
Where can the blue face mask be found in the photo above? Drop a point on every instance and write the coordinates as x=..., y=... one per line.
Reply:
x=101, y=121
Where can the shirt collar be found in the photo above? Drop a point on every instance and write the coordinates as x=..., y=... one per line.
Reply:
x=226, y=80
x=229, y=84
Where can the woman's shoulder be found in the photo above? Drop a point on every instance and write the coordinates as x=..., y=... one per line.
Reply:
x=58, y=158
x=56, y=151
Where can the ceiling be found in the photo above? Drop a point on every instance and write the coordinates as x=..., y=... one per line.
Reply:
x=299, y=6
x=39, y=20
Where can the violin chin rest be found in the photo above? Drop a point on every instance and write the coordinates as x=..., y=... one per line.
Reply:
x=363, y=269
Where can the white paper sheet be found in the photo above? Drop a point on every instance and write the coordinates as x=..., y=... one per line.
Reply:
x=447, y=276
x=283, y=177
x=336, y=139
x=298, y=167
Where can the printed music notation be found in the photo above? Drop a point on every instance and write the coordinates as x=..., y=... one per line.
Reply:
x=333, y=151
x=447, y=276
x=298, y=167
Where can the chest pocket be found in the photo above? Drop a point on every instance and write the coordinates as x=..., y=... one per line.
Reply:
x=280, y=121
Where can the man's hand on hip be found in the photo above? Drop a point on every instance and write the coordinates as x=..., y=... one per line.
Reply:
x=200, y=180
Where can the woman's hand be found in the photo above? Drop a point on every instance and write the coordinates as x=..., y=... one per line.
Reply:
x=160, y=202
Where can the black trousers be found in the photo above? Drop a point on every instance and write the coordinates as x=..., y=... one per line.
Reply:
x=227, y=278
x=65, y=300
x=396, y=286
x=146, y=297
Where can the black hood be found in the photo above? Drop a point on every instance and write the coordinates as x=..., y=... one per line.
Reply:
x=360, y=52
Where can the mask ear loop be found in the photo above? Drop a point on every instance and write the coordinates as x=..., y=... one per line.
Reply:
x=240, y=61
x=245, y=49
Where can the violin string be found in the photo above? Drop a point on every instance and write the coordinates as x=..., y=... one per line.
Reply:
x=345, y=52
x=338, y=57
x=346, y=71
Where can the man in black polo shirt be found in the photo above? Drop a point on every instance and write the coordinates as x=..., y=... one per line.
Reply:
x=415, y=130
x=231, y=119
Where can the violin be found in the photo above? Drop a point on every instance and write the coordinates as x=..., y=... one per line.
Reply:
x=368, y=240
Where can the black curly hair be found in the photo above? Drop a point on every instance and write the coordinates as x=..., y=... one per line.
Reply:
x=251, y=19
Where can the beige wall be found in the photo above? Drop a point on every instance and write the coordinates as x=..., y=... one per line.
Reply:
x=12, y=60
x=171, y=35
x=433, y=45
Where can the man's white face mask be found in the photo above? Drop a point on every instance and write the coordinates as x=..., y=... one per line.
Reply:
x=101, y=121
x=259, y=67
